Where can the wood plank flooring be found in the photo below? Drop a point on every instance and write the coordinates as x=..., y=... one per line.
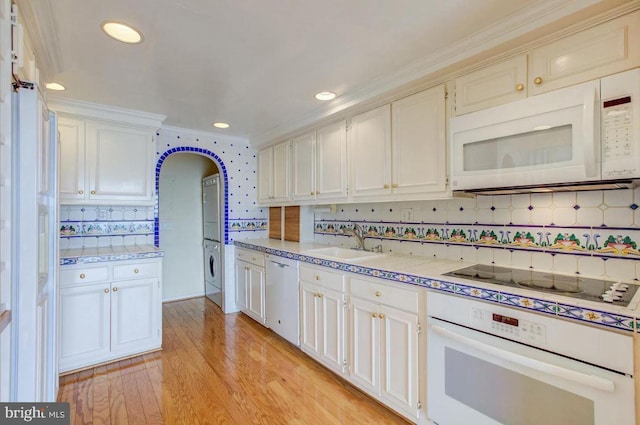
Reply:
x=217, y=369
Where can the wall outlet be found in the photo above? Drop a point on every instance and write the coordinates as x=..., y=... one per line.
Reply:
x=102, y=214
x=406, y=214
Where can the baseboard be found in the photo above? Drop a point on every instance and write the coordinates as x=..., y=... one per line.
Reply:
x=183, y=297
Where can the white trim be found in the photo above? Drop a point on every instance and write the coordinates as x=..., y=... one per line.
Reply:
x=105, y=112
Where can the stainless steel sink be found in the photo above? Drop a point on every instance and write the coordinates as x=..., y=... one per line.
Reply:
x=344, y=254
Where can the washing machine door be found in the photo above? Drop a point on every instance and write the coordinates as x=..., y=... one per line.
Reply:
x=213, y=284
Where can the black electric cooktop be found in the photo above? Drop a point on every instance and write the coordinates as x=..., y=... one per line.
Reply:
x=604, y=291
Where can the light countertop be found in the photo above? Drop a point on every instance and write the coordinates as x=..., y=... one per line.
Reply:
x=108, y=253
x=428, y=273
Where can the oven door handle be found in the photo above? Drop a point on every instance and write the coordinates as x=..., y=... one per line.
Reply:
x=596, y=382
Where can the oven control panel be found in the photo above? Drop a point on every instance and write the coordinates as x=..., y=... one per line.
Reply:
x=509, y=327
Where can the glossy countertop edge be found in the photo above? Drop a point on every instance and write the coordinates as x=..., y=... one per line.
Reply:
x=109, y=251
x=433, y=269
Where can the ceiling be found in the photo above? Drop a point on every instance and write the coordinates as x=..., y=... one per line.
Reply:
x=257, y=64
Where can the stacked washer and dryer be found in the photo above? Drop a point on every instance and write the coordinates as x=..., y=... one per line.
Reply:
x=211, y=192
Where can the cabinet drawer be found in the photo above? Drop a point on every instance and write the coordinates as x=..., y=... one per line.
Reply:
x=77, y=276
x=253, y=257
x=135, y=271
x=393, y=296
x=322, y=277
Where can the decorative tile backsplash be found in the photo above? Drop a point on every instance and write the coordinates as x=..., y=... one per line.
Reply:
x=591, y=233
x=94, y=226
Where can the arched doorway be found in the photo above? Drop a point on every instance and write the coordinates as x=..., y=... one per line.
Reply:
x=178, y=217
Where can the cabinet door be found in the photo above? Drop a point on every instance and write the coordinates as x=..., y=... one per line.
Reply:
x=242, y=272
x=310, y=319
x=493, y=85
x=303, y=167
x=84, y=325
x=419, y=143
x=399, y=359
x=370, y=153
x=365, y=344
x=72, y=159
x=265, y=175
x=255, y=293
x=119, y=161
x=331, y=151
x=135, y=318
x=281, y=172
x=332, y=304
x=606, y=49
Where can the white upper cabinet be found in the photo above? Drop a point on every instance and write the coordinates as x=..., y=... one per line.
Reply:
x=496, y=84
x=331, y=154
x=596, y=52
x=303, y=167
x=119, y=163
x=418, y=155
x=273, y=174
x=606, y=49
x=370, y=153
x=398, y=151
x=106, y=154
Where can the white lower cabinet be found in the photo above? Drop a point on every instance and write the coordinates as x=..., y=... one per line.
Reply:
x=323, y=307
x=250, y=284
x=385, y=335
x=103, y=317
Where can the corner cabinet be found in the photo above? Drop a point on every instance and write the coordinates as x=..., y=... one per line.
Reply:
x=273, y=174
x=106, y=156
x=109, y=311
x=250, y=284
x=398, y=151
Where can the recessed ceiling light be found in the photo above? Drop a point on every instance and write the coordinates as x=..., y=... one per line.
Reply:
x=325, y=95
x=221, y=125
x=122, y=32
x=55, y=86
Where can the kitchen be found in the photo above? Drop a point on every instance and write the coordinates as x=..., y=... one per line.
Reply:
x=590, y=233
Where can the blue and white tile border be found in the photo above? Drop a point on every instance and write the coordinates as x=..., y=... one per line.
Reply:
x=572, y=312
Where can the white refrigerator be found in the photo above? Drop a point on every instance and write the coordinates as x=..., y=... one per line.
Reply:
x=212, y=244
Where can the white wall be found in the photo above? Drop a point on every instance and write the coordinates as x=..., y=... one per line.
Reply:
x=180, y=204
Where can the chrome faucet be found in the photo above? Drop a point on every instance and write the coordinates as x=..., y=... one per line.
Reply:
x=358, y=233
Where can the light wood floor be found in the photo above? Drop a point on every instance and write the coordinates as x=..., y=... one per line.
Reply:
x=217, y=369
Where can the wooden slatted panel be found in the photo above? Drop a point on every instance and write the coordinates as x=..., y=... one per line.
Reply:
x=275, y=222
x=292, y=224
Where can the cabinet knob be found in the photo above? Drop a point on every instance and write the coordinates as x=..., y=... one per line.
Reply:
x=312, y=193
x=381, y=316
x=394, y=185
x=317, y=277
x=81, y=192
x=386, y=186
x=82, y=276
x=106, y=290
x=319, y=295
x=537, y=81
x=253, y=258
x=115, y=289
x=378, y=294
x=246, y=268
x=93, y=192
x=136, y=271
x=519, y=87
x=374, y=315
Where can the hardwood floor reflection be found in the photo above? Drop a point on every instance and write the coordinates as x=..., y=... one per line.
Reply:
x=217, y=369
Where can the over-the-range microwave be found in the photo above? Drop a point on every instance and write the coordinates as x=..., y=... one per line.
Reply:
x=582, y=137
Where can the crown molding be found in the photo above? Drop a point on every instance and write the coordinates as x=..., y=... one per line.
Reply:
x=520, y=24
x=41, y=27
x=114, y=114
x=201, y=133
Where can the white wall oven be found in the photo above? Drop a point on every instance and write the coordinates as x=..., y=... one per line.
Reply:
x=490, y=365
x=585, y=133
